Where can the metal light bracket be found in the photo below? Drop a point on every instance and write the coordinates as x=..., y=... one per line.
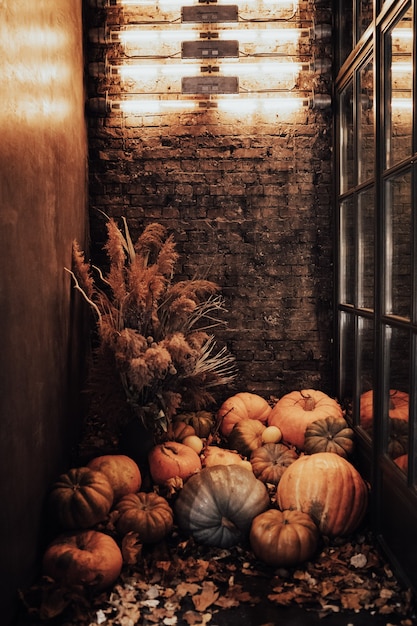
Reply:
x=210, y=84
x=209, y=14
x=209, y=49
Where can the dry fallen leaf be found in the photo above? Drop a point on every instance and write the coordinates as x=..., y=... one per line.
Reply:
x=209, y=594
x=131, y=548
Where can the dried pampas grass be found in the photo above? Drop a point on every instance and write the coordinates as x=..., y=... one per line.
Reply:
x=155, y=339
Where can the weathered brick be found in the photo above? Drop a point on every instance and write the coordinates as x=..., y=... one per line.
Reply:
x=249, y=203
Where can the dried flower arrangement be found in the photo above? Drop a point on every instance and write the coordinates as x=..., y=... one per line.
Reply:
x=155, y=350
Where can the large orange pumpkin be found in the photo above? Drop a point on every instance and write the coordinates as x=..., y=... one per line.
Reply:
x=298, y=409
x=327, y=487
x=243, y=405
x=88, y=557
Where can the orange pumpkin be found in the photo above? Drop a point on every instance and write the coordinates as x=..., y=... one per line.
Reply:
x=122, y=472
x=297, y=409
x=328, y=488
x=270, y=461
x=283, y=538
x=81, y=497
x=147, y=514
x=246, y=436
x=88, y=557
x=243, y=405
x=398, y=407
x=402, y=462
x=172, y=459
x=213, y=455
x=179, y=430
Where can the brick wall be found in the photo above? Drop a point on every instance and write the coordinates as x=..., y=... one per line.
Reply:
x=249, y=203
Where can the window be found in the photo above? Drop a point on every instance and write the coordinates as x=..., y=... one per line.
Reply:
x=376, y=217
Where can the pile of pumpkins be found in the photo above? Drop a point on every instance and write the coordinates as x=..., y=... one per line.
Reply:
x=298, y=450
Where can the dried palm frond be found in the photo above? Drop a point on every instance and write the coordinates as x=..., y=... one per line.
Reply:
x=220, y=366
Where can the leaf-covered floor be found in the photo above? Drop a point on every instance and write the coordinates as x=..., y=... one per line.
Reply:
x=181, y=583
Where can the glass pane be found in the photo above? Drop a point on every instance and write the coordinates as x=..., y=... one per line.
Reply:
x=366, y=254
x=398, y=260
x=397, y=399
x=366, y=365
x=364, y=16
x=346, y=139
x=347, y=251
x=347, y=360
x=366, y=132
x=399, y=95
x=345, y=29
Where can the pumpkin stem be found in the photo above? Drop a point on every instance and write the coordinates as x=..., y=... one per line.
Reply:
x=219, y=421
x=229, y=524
x=166, y=446
x=309, y=402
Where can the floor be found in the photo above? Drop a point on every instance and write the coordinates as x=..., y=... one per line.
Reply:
x=179, y=583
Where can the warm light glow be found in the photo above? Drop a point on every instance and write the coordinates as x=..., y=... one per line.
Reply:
x=248, y=105
x=139, y=106
x=179, y=3
x=143, y=37
x=276, y=71
x=256, y=103
x=244, y=34
x=36, y=72
x=402, y=34
x=403, y=104
x=279, y=68
x=406, y=67
x=152, y=70
x=170, y=65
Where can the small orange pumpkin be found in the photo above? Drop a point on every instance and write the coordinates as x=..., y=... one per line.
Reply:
x=283, y=538
x=122, y=472
x=243, y=405
x=297, y=409
x=213, y=455
x=246, y=436
x=271, y=460
x=172, y=459
x=147, y=514
x=179, y=430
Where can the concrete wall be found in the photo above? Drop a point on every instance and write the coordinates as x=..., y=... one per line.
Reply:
x=43, y=208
